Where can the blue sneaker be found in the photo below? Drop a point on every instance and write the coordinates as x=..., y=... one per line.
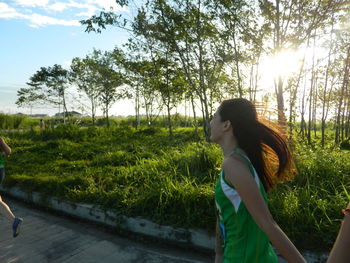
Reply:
x=16, y=226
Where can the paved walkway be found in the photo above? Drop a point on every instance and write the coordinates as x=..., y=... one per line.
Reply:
x=52, y=238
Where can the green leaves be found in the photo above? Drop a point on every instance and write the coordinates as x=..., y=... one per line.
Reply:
x=47, y=85
x=98, y=23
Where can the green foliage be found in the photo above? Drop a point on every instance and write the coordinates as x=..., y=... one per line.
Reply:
x=311, y=203
x=11, y=121
x=47, y=85
x=345, y=145
x=144, y=172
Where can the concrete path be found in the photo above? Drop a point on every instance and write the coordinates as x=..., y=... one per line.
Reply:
x=47, y=237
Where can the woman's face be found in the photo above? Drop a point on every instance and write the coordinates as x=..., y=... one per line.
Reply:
x=216, y=127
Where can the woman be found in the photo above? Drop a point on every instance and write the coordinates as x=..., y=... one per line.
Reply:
x=5, y=150
x=245, y=226
x=340, y=252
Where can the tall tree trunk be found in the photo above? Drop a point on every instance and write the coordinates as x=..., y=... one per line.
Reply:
x=239, y=80
x=185, y=101
x=93, y=108
x=169, y=119
x=256, y=77
x=195, y=118
x=279, y=83
x=310, y=113
x=251, y=82
x=137, y=108
x=325, y=103
x=65, y=111
x=280, y=101
x=203, y=88
x=292, y=101
x=167, y=98
x=302, y=113
x=107, y=116
x=342, y=93
x=314, y=113
x=347, y=122
x=293, y=98
x=342, y=126
x=344, y=115
x=311, y=96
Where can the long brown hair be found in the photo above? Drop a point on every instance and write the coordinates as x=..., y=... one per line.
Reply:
x=265, y=147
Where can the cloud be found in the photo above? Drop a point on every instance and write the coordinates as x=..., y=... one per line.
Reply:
x=89, y=11
x=107, y=4
x=86, y=14
x=8, y=12
x=31, y=3
x=58, y=6
x=91, y=6
x=35, y=11
x=36, y=20
x=61, y=6
x=40, y=20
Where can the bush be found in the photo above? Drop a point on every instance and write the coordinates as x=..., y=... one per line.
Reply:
x=345, y=145
x=11, y=121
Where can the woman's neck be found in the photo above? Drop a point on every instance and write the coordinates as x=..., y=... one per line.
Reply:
x=228, y=145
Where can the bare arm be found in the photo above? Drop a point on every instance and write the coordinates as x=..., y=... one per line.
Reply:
x=4, y=147
x=340, y=252
x=237, y=173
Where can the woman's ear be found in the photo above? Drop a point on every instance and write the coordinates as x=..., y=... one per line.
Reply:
x=227, y=125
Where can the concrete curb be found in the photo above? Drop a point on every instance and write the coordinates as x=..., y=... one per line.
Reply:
x=190, y=237
x=197, y=238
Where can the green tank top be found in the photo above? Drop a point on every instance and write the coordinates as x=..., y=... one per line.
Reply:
x=2, y=160
x=244, y=241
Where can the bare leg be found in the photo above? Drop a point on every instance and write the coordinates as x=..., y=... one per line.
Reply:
x=6, y=211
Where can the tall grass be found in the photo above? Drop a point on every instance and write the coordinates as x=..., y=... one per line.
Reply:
x=11, y=121
x=143, y=172
x=315, y=197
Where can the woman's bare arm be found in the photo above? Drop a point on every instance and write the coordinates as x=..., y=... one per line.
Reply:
x=4, y=147
x=237, y=173
x=340, y=252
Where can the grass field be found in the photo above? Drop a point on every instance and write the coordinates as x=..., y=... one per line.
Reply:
x=171, y=180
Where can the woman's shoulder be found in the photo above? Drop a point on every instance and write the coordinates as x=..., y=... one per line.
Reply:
x=235, y=165
x=235, y=159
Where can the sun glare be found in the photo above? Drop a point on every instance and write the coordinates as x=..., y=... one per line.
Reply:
x=283, y=64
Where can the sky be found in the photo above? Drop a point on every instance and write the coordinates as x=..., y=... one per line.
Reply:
x=41, y=33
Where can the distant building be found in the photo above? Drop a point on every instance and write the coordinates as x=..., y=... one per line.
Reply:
x=38, y=115
x=69, y=113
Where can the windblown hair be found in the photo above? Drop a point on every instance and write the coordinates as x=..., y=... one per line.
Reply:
x=265, y=147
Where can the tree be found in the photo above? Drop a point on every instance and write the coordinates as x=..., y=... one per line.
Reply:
x=292, y=22
x=187, y=32
x=170, y=83
x=109, y=79
x=29, y=97
x=47, y=85
x=84, y=73
x=146, y=79
x=342, y=92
